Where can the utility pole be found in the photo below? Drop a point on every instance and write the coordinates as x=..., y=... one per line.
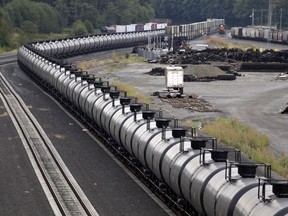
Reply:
x=261, y=17
x=253, y=17
x=270, y=13
x=281, y=14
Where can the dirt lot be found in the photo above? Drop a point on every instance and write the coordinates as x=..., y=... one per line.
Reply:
x=254, y=98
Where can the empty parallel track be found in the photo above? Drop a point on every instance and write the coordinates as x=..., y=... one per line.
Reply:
x=64, y=195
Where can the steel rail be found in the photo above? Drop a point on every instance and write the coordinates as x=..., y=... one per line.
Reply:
x=65, y=191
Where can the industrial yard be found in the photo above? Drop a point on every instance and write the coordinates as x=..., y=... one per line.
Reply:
x=141, y=139
x=255, y=98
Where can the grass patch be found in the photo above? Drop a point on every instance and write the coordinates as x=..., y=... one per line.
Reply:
x=222, y=43
x=117, y=62
x=121, y=61
x=89, y=64
x=132, y=92
x=247, y=139
x=114, y=63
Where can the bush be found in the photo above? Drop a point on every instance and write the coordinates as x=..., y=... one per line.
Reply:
x=250, y=141
x=79, y=29
x=89, y=26
x=29, y=27
x=127, y=55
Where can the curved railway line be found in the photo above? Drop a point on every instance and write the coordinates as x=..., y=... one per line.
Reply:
x=180, y=168
x=66, y=196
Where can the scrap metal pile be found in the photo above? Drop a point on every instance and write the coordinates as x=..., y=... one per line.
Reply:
x=192, y=103
x=250, y=60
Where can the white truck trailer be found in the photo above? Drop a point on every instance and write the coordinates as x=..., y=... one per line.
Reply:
x=174, y=81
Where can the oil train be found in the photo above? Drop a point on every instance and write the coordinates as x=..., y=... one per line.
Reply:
x=88, y=44
x=134, y=27
x=196, y=177
x=260, y=34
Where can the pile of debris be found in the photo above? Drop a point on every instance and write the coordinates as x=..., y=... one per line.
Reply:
x=199, y=73
x=205, y=73
x=234, y=55
x=285, y=111
x=191, y=103
x=157, y=71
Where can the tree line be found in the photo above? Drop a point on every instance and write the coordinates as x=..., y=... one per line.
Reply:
x=235, y=12
x=80, y=17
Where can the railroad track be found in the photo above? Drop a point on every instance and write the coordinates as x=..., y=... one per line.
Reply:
x=8, y=62
x=8, y=59
x=63, y=193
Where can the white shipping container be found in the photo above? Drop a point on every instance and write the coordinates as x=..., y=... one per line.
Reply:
x=131, y=28
x=267, y=34
x=147, y=27
x=120, y=28
x=174, y=77
x=161, y=25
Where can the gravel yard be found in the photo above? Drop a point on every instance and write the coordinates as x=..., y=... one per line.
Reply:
x=254, y=98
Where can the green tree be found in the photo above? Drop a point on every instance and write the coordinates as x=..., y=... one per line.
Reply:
x=89, y=26
x=41, y=14
x=63, y=11
x=29, y=27
x=111, y=14
x=79, y=29
x=242, y=9
x=5, y=30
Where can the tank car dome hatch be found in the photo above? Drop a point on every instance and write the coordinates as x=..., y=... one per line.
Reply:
x=91, y=80
x=162, y=123
x=135, y=107
x=280, y=189
x=247, y=170
x=125, y=101
x=84, y=76
x=67, y=66
x=76, y=73
x=98, y=84
x=114, y=94
x=148, y=114
x=219, y=155
x=178, y=132
x=105, y=89
x=198, y=143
